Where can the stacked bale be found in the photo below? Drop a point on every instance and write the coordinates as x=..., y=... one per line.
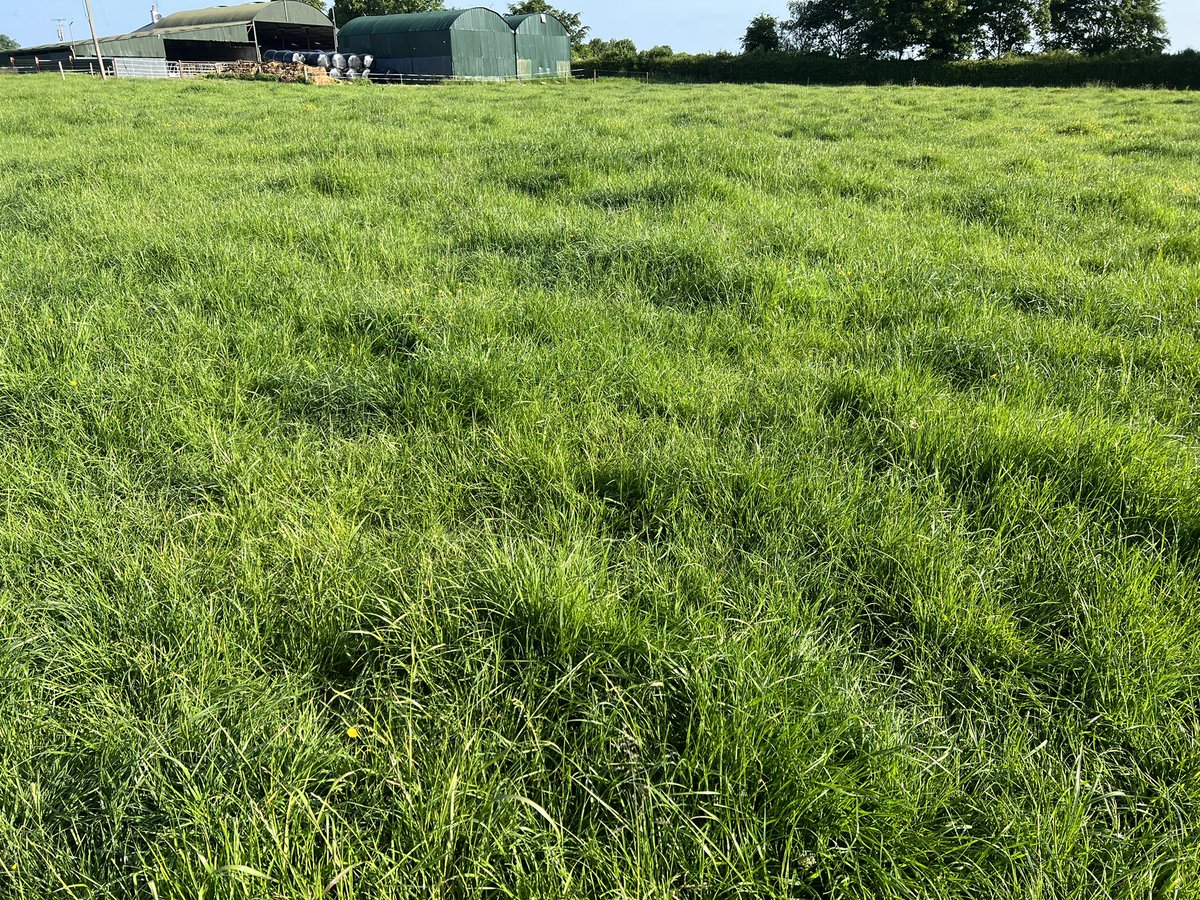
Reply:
x=335, y=65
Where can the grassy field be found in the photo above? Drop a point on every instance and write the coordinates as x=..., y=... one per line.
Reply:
x=598, y=492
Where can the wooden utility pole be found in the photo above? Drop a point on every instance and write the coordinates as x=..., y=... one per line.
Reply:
x=95, y=40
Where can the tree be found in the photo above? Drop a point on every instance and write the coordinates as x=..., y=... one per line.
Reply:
x=345, y=10
x=618, y=54
x=1001, y=27
x=934, y=29
x=1093, y=27
x=762, y=34
x=879, y=28
x=7, y=44
x=316, y=4
x=828, y=27
x=571, y=21
x=647, y=59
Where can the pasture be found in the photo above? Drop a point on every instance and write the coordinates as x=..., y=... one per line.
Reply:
x=598, y=491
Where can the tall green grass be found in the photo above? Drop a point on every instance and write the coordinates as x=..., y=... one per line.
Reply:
x=598, y=491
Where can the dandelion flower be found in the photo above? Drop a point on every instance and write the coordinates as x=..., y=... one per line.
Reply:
x=352, y=732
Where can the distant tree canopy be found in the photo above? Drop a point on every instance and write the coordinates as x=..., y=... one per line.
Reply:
x=956, y=29
x=316, y=4
x=346, y=10
x=1092, y=27
x=618, y=54
x=762, y=34
x=571, y=21
x=7, y=43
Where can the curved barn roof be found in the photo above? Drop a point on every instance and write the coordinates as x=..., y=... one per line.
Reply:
x=441, y=20
x=245, y=13
x=542, y=23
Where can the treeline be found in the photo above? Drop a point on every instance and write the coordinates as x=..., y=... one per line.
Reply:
x=936, y=42
x=1180, y=71
x=961, y=29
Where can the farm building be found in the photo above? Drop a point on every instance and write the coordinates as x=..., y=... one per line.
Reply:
x=219, y=33
x=543, y=45
x=472, y=43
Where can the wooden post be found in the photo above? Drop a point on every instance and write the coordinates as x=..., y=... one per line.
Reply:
x=87, y=4
x=37, y=64
x=257, y=49
x=595, y=76
x=61, y=72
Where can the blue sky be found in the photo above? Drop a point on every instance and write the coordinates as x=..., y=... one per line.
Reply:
x=691, y=25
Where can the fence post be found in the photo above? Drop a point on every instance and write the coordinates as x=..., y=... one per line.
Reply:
x=61, y=72
x=595, y=76
x=37, y=64
x=91, y=68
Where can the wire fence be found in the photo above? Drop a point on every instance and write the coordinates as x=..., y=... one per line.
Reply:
x=53, y=68
x=596, y=74
x=124, y=67
x=161, y=68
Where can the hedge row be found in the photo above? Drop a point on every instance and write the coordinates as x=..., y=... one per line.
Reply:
x=1180, y=71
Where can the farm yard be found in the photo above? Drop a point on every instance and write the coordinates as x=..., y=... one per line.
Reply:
x=598, y=491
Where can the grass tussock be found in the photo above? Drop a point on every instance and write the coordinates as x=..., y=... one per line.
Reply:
x=598, y=491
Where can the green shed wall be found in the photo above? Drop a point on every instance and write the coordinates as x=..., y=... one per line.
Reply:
x=543, y=48
x=472, y=43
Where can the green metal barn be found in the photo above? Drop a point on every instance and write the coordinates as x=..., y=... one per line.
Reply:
x=468, y=43
x=543, y=45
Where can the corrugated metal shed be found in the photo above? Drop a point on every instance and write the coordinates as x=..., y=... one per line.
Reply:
x=221, y=32
x=471, y=43
x=543, y=45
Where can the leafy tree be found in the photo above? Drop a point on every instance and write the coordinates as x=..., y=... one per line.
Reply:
x=649, y=58
x=316, y=4
x=762, y=34
x=952, y=29
x=1093, y=27
x=573, y=22
x=935, y=29
x=879, y=28
x=1001, y=27
x=932, y=28
x=7, y=44
x=346, y=10
x=619, y=54
x=828, y=27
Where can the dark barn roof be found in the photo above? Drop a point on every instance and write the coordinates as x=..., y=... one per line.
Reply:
x=216, y=25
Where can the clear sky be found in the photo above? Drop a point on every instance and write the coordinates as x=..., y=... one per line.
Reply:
x=691, y=25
